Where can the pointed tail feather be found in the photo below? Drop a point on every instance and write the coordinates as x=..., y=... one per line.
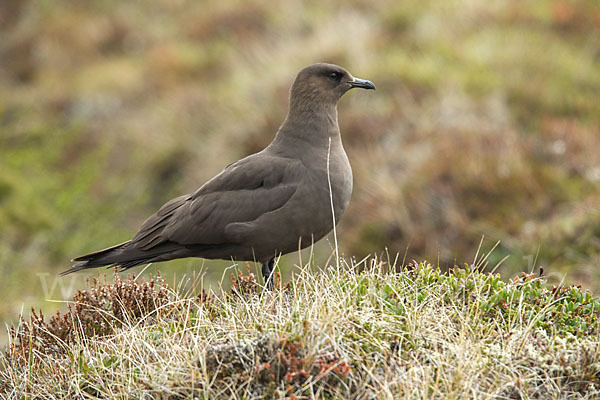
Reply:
x=98, y=258
x=125, y=256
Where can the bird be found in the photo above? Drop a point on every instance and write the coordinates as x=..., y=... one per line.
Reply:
x=279, y=200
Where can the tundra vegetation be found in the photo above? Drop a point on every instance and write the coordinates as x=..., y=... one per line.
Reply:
x=359, y=331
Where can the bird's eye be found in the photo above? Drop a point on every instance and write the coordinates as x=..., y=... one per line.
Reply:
x=335, y=76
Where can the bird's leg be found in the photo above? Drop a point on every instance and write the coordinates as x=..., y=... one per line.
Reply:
x=267, y=272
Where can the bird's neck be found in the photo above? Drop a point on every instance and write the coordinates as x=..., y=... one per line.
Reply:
x=313, y=123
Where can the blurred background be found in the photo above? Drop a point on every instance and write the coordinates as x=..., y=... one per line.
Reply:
x=485, y=123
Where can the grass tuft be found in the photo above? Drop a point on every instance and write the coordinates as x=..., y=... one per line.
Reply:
x=344, y=332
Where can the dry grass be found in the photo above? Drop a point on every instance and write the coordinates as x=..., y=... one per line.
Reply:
x=361, y=331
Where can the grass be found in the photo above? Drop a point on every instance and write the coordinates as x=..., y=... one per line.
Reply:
x=367, y=330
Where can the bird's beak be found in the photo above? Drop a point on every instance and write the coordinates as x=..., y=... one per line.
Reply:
x=361, y=83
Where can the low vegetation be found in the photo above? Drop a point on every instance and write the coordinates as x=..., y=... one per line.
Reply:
x=359, y=331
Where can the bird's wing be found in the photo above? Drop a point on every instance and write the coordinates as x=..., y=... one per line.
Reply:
x=242, y=192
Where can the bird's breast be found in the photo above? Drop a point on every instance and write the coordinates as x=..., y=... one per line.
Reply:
x=331, y=181
x=340, y=173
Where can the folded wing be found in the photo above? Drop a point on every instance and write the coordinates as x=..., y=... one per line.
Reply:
x=242, y=192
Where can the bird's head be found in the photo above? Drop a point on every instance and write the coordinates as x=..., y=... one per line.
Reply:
x=324, y=83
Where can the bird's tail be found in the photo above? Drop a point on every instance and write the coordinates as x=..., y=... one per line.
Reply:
x=126, y=255
x=100, y=258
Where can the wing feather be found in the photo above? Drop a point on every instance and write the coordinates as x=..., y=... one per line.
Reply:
x=242, y=192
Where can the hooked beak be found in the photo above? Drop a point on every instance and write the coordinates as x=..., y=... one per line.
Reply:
x=362, y=83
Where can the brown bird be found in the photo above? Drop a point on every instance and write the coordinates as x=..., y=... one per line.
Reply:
x=264, y=205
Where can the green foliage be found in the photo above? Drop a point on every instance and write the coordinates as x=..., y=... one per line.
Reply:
x=560, y=311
